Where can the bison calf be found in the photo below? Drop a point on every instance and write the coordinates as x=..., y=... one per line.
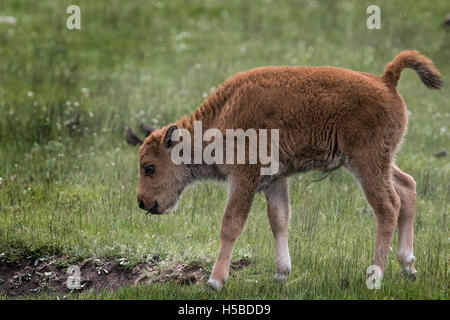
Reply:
x=326, y=117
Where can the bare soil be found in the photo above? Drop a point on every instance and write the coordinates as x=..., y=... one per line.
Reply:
x=29, y=277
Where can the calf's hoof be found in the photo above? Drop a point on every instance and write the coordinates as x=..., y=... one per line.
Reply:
x=214, y=284
x=411, y=275
x=280, y=277
x=408, y=266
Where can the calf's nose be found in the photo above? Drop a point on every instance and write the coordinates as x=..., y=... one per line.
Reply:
x=141, y=204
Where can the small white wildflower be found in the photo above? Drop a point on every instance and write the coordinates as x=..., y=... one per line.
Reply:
x=30, y=94
x=113, y=164
x=183, y=35
x=180, y=47
x=348, y=6
x=76, y=104
x=368, y=60
x=312, y=4
x=68, y=103
x=85, y=92
x=91, y=114
x=8, y=19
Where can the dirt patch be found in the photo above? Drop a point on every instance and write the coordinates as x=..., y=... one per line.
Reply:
x=50, y=275
x=182, y=274
x=187, y=274
x=240, y=264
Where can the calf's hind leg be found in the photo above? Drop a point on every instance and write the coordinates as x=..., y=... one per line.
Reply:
x=375, y=178
x=406, y=188
x=278, y=212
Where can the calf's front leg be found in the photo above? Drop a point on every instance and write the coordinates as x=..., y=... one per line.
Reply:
x=240, y=197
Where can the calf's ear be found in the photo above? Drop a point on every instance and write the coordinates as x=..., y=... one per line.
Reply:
x=168, y=142
x=146, y=129
x=132, y=138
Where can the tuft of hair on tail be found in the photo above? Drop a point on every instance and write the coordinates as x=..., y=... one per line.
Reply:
x=412, y=59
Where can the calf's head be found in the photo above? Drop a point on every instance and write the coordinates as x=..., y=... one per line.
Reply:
x=161, y=182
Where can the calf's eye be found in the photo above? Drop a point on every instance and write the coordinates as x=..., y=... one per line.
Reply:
x=149, y=170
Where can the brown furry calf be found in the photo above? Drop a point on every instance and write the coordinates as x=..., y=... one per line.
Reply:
x=327, y=117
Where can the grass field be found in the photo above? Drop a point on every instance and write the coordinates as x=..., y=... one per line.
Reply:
x=68, y=179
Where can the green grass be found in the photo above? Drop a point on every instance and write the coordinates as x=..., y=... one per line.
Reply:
x=71, y=190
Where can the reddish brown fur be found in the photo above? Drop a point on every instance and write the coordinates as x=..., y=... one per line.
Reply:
x=327, y=117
